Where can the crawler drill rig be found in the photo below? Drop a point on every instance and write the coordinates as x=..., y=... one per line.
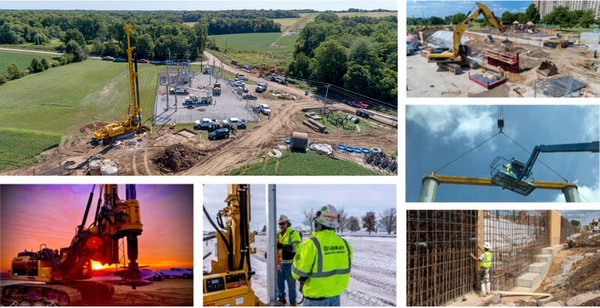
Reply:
x=65, y=272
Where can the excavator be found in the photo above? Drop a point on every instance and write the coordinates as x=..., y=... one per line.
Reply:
x=457, y=57
x=133, y=117
x=61, y=277
x=262, y=68
x=228, y=283
x=515, y=175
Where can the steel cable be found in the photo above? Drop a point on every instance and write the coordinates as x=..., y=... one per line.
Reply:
x=469, y=151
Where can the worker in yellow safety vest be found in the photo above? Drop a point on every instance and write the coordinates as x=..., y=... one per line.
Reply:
x=288, y=241
x=322, y=263
x=485, y=264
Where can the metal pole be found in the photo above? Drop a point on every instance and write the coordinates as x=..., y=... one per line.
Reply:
x=571, y=193
x=325, y=102
x=272, y=246
x=167, y=86
x=429, y=189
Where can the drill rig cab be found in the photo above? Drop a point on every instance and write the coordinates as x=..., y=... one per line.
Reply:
x=457, y=57
x=65, y=272
x=133, y=117
x=228, y=282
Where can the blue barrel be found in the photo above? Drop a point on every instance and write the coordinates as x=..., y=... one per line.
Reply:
x=271, y=91
x=287, y=141
x=357, y=150
x=341, y=146
x=350, y=149
x=306, y=93
x=365, y=150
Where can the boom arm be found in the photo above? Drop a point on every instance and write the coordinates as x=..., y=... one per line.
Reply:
x=464, y=24
x=573, y=147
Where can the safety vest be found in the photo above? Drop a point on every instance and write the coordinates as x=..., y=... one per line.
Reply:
x=289, y=237
x=487, y=260
x=325, y=261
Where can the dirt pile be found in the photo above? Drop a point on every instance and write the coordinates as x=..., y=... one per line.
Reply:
x=537, y=53
x=177, y=157
x=585, y=240
x=586, y=276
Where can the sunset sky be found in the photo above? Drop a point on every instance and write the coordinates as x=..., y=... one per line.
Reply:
x=31, y=215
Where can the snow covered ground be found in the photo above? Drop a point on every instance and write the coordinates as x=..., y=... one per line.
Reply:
x=372, y=278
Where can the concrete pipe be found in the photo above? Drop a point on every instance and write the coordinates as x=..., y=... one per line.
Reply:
x=110, y=171
x=95, y=165
x=299, y=141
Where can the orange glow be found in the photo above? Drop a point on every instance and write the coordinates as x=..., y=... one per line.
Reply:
x=97, y=266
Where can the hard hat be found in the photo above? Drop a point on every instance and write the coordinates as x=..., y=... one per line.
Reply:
x=487, y=246
x=283, y=218
x=328, y=216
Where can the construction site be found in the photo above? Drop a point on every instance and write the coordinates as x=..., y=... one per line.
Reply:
x=122, y=254
x=372, y=280
x=502, y=60
x=538, y=258
x=497, y=166
x=203, y=124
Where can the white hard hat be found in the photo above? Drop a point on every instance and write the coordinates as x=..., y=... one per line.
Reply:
x=328, y=216
x=487, y=246
x=283, y=218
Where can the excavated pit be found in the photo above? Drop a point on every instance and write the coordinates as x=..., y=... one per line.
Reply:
x=177, y=157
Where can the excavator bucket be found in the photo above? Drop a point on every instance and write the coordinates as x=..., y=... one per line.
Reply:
x=504, y=174
x=547, y=68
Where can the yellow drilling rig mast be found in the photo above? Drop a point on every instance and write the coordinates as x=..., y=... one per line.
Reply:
x=133, y=117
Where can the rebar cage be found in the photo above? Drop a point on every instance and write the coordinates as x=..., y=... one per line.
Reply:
x=516, y=238
x=439, y=266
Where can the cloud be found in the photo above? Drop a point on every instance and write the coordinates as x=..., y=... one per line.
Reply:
x=454, y=123
x=588, y=194
x=592, y=122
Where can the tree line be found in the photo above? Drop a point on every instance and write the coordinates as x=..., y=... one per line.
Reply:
x=357, y=53
x=370, y=222
x=561, y=16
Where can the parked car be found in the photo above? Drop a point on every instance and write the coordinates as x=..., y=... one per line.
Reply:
x=108, y=58
x=245, y=89
x=157, y=62
x=157, y=277
x=178, y=272
x=249, y=96
x=358, y=104
x=264, y=108
x=142, y=61
x=120, y=60
x=206, y=123
x=179, y=90
x=219, y=133
x=239, y=123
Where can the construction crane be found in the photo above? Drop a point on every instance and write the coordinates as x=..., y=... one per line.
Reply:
x=457, y=57
x=133, y=117
x=515, y=176
x=228, y=283
x=59, y=277
x=264, y=67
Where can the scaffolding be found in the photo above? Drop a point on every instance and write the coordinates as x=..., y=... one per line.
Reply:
x=439, y=266
x=516, y=238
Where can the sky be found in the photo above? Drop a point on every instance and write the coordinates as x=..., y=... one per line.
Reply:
x=196, y=5
x=292, y=200
x=214, y=197
x=584, y=217
x=446, y=8
x=32, y=215
x=435, y=135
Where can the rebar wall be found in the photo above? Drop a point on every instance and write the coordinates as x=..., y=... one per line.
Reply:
x=439, y=268
x=516, y=238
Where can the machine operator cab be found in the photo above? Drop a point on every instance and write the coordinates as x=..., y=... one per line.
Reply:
x=506, y=174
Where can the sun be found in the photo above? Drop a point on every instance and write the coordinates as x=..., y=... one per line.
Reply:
x=97, y=265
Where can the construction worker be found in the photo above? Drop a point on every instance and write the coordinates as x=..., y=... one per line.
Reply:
x=288, y=241
x=234, y=129
x=322, y=263
x=485, y=263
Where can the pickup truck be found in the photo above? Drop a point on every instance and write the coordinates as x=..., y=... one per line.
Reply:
x=279, y=79
x=178, y=272
x=206, y=123
x=179, y=90
x=192, y=99
x=358, y=104
x=239, y=123
x=264, y=108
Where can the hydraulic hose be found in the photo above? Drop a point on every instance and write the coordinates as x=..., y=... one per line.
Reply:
x=227, y=243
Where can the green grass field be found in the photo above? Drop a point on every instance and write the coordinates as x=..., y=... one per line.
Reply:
x=288, y=41
x=51, y=46
x=251, y=41
x=22, y=59
x=303, y=163
x=21, y=147
x=59, y=98
x=308, y=18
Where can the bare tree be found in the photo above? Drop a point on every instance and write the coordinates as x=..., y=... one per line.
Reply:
x=343, y=216
x=353, y=225
x=308, y=218
x=387, y=220
x=369, y=222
